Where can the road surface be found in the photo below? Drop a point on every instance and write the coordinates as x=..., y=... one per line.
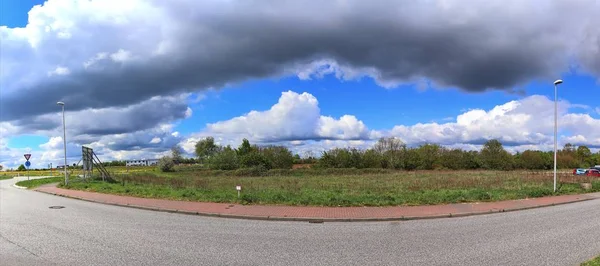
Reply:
x=85, y=233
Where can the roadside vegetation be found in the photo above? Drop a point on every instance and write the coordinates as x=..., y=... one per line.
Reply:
x=42, y=181
x=389, y=173
x=592, y=262
x=339, y=187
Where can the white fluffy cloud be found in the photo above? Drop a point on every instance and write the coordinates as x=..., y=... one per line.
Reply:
x=529, y=121
x=294, y=117
x=295, y=120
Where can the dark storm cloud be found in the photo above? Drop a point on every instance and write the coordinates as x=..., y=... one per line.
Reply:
x=89, y=124
x=473, y=46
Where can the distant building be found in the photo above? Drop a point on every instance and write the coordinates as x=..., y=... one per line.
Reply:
x=145, y=162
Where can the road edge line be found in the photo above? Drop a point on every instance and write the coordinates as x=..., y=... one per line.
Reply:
x=19, y=187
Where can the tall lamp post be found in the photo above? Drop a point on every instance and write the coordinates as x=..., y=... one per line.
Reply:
x=556, y=83
x=62, y=104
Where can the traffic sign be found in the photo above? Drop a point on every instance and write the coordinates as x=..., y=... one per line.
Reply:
x=27, y=156
x=27, y=163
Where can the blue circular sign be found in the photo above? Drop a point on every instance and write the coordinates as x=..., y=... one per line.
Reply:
x=27, y=163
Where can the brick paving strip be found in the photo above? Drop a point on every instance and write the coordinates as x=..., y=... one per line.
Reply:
x=317, y=214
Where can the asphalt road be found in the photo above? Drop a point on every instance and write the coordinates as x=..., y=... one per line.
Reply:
x=85, y=233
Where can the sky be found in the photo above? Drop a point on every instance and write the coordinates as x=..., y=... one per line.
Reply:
x=138, y=77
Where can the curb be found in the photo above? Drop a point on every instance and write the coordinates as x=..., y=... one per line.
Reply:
x=317, y=219
x=19, y=187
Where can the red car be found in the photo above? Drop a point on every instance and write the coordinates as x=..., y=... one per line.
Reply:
x=592, y=172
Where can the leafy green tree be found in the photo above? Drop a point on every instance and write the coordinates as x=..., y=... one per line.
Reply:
x=595, y=159
x=225, y=159
x=584, y=154
x=494, y=156
x=206, y=148
x=533, y=160
x=429, y=155
x=371, y=159
x=245, y=148
x=254, y=158
x=412, y=160
x=279, y=157
x=342, y=158
x=452, y=159
x=21, y=168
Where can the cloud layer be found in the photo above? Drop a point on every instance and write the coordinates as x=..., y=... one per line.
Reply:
x=92, y=55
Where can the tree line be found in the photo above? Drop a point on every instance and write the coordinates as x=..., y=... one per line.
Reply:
x=392, y=153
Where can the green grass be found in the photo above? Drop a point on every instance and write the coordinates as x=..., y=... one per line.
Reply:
x=38, y=182
x=4, y=177
x=338, y=187
x=592, y=262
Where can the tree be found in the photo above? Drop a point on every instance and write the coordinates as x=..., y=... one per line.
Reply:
x=245, y=148
x=21, y=168
x=569, y=148
x=279, y=157
x=371, y=159
x=494, y=156
x=585, y=156
x=176, y=154
x=393, y=151
x=533, y=160
x=206, y=148
x=388, y=144
x=224, y=159
x=1, y=167
x=412, y=160
x=452, y=159
x=429, y=154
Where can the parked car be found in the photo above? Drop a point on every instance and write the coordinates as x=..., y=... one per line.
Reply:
x=579, y=171
x=592, y=172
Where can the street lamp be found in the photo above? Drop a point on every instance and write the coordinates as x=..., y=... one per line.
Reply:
x=558, y=81
x=64, y=139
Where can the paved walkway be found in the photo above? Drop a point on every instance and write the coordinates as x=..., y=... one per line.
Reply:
x=297, y=213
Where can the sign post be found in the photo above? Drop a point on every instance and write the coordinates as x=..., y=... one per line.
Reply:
x=238, y=188
x=27, y=163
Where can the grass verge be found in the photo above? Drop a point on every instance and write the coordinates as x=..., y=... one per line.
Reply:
x=38, y=182
x=377, y=188
x=592, y=262
x=4, y=177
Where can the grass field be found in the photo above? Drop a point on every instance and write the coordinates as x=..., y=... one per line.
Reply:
x=11, y=174
x=592, y=262
x=38, y=182
x=338, y=187
x=3, y=177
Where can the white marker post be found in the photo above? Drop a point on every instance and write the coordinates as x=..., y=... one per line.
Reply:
x=238, y=188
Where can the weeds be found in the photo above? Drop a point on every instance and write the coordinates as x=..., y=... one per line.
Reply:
x=340, y=187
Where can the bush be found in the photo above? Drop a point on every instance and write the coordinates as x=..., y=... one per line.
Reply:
x=166, y=164
x=254, y=158
x=278, y=156
x=226, y=159
x=251, y=171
